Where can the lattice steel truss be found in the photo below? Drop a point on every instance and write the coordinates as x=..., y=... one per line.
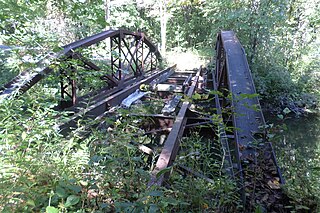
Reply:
x=127, y=60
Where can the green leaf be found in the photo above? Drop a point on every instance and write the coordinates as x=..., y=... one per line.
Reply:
x=286, y=110
x=302, y=207
x=196, y=96
x=280, y=116
x=72, y=200
x=316, y=168
x=57, y=49
x=123, y=205
x=163, y=171
x=213, y=92
x=137, y=159
x=75, y=188
x=259, y=209
x=153, y=208
x=31, y=203
x=61, y=192
x=248, y=96
x=156, y=193
x=51, y=209
x=270, y=136
x=103, y=205
x=170, y=201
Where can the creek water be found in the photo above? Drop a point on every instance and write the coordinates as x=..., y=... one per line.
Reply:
x=299, y=134
x=296, y=142
x=297, y=145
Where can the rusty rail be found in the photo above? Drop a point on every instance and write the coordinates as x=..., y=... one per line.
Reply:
x=171, y=146
x=102, y=104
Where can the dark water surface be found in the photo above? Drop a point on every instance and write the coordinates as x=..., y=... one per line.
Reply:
x=302, y=134
x=297, y=147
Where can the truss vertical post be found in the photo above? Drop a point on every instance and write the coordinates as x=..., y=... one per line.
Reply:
x=141, y=58
x=116, y=64
x=112, y=55
x=62, y=87
x=121, y=36
x=68, y=87
x=74, y=89
x=139, y=55
x=151, y=61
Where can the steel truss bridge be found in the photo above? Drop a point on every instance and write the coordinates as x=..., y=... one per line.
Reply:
x=133, y=60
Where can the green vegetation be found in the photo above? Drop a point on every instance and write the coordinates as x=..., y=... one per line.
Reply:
x=104, y=172
x=41, y=170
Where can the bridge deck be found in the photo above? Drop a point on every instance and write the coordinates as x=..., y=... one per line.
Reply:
x=256, y=161
x=242, y=89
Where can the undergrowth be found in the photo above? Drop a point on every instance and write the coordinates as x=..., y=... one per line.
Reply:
x=43, y=171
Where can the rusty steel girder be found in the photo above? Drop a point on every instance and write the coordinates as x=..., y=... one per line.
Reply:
x=171, y=145
x=253, y=153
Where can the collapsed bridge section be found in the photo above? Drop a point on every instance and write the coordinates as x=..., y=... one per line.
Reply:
x=125, y=56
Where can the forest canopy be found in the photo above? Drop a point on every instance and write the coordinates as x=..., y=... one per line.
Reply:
x=281, y=38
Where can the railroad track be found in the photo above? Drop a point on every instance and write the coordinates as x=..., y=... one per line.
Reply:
x=230, y=114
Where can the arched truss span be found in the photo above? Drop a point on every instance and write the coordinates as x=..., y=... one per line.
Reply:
x=129, y=55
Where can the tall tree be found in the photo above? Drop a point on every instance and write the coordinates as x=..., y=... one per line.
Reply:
x=163, y=23
x=107, y=13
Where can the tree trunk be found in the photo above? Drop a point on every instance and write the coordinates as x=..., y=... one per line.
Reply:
x=163, y=23
x=107, y=13
x=254, y=33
